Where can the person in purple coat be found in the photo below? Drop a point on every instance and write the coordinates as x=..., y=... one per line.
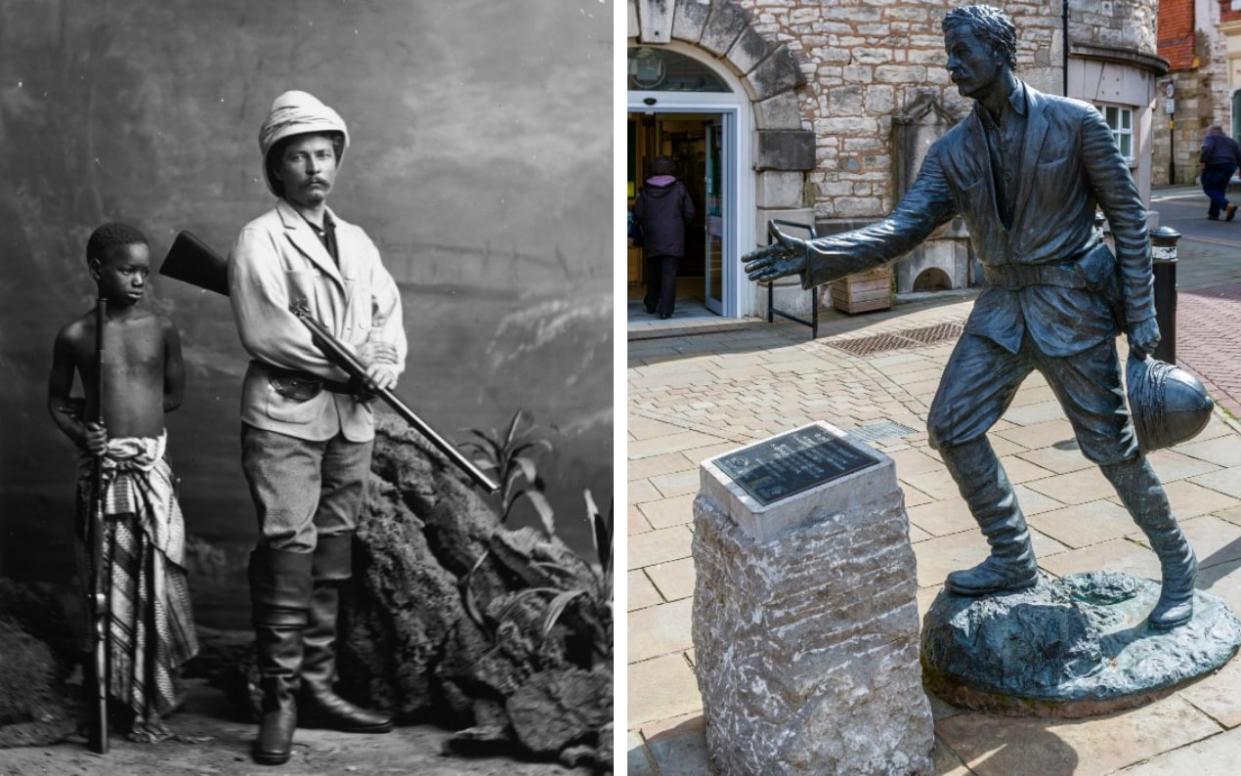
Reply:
x=662, y=210
x=1219, y=160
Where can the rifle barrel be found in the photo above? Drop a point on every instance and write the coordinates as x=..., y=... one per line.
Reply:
x=338, y=354
x=98, y=603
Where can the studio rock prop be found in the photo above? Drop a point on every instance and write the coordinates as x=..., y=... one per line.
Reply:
x=805, y=624
x=500, y=634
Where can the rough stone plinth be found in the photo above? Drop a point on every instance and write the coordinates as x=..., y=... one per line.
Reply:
x=1070, y=647
x=805, y=628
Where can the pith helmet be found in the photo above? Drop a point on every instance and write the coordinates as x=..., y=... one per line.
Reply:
x=1168, y=404
x=298, y=113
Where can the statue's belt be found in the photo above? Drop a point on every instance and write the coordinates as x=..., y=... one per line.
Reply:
x=1014, y=277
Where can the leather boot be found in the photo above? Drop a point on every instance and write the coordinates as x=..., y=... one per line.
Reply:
x=987, y=491
x=1139, y=488
x=320, y=705
x=280, y=596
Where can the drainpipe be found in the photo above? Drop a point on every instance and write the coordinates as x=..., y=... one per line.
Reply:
x=1064, y=22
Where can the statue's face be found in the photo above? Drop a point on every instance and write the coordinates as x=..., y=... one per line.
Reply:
x=973, y=64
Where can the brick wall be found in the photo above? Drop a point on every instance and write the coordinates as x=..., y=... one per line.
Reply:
x=1176, y=33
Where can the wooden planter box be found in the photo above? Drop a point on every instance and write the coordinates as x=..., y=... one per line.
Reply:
x=862, y=292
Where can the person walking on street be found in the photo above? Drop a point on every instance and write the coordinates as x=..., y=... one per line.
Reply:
x=663, y=210
x=1219, y=160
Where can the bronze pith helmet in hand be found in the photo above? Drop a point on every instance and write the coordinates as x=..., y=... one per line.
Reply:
x=1168, y=404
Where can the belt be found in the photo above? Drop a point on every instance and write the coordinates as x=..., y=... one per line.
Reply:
x=308, y=379
x=1018, y=276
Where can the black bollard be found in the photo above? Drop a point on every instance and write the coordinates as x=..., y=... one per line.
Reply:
x=1163, y=260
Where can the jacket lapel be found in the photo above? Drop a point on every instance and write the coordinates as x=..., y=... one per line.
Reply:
x=307, y=242
x=1036, y=128
x=978, y=156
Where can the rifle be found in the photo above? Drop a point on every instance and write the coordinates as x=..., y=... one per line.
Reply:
x=194, y=262
x=98, y=597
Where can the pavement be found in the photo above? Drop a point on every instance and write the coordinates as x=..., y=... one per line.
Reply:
x=693, y=397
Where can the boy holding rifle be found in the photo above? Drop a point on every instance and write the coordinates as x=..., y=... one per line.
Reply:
x=129, y=361
x=307, y=431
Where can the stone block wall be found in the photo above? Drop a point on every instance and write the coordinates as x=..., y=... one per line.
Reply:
x=865, y=60
x=1127, y=24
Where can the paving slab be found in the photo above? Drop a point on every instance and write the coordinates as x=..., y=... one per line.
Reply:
x=1189, y=499
x=1215, y=756
x=661, y=689
x=642, y=592
x=679, y=746
x=666, y=463
x=668, y=512
x=646, y=549
x=1082, y=525
x=660, y=630
x=1226, y=481
x=673, y=580
x=1002, y=746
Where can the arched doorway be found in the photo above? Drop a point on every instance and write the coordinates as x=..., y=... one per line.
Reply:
x=704, y=65
x=684, y=109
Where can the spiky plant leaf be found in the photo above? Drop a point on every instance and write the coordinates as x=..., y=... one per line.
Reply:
x=544, y=509
x=556, y=607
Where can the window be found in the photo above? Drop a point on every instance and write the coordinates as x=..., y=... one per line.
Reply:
x=659, y=70
x=1120, y=121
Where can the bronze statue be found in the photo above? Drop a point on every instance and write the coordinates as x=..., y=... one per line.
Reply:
x=1026, y=171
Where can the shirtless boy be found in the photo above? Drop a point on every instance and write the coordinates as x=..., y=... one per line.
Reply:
x=150, y=630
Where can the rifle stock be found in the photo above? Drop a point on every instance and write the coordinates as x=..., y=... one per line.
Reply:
x=97, y=737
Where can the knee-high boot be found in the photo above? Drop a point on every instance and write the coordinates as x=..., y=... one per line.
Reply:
x=320, y=705
x=280, y=597
x=987, y=491
x=1139, y=488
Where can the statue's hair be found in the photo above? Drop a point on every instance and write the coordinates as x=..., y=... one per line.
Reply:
x=110, y=236
x=990, y=24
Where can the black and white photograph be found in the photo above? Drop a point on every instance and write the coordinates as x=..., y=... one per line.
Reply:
x=307, y=348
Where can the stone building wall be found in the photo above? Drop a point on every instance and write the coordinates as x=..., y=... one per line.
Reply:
x=1128, y=24
x=865, y=60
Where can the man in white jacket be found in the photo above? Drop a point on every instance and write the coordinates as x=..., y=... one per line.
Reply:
x=307, y=432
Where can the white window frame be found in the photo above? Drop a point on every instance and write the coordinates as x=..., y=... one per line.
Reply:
x=1120, y=129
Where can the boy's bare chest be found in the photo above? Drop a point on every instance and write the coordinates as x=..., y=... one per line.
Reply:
x=130, y=348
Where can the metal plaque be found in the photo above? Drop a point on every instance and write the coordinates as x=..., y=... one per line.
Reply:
x=794, y=462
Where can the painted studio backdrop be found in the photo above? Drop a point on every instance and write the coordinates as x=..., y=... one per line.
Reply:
x=480, y=165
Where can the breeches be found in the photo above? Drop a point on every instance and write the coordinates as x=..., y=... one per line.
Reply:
x=301, y=488
x=982, y=378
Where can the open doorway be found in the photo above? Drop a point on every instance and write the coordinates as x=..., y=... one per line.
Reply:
x=695, y=143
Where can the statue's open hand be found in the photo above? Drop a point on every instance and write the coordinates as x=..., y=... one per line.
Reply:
x=786, y=257
x=1144, y=336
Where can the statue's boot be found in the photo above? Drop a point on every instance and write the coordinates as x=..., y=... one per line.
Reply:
x=320, y=705
x=280, y=596
x=987, y=491
x=1143, y=495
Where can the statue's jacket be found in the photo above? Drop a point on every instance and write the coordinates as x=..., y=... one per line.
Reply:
x=279, y=262
x=1070, y=165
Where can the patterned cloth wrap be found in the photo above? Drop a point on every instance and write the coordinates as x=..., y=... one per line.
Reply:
x=150, y=623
